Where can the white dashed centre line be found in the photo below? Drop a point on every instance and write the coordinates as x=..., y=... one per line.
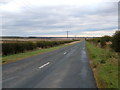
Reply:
x=44, y=65
x=65, y=52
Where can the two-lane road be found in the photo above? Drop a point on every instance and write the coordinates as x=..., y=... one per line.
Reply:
x=67, y=67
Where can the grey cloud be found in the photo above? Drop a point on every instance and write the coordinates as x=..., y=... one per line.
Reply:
x=76, y=19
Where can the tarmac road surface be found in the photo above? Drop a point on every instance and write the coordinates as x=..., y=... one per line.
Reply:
x=67, y=67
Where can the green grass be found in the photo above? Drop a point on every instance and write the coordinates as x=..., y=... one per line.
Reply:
x=105, y=66
x=15, y=57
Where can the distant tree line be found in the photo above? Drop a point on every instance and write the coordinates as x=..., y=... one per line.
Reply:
x=114, y=41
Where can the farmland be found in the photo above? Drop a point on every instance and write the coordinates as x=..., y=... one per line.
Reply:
x=35, y=39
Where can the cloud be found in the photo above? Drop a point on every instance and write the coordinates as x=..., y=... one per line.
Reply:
x=98, y=33
x=27, y=18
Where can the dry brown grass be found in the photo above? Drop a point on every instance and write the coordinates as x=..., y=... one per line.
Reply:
x=10, y=40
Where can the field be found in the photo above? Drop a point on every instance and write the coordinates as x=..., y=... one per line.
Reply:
x=14, y=39
x=105, y=66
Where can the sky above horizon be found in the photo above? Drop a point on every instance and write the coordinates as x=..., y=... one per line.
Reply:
x=52, y=18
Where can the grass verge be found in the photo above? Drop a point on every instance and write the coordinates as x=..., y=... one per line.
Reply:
x=105, y=66
x=19, y=56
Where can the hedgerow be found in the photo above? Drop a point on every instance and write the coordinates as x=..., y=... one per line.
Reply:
x=114, y=40
x=20, y=47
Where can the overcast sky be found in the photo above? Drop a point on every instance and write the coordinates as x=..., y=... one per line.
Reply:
x=55, y=17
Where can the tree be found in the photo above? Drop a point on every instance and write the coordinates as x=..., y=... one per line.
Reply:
x=116, y=41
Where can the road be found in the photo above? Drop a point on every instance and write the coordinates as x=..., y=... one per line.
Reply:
x=67, y=67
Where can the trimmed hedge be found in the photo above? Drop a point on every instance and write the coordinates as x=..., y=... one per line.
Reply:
x=20, y=47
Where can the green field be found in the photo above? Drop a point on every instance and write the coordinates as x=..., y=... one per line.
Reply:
x=19, y=56
x=105, y=66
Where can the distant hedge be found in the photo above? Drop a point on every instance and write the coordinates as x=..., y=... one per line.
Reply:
x=20, y=47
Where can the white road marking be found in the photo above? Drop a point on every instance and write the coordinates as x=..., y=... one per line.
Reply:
x=65, y=52
x=44, y=65
x=84, y=52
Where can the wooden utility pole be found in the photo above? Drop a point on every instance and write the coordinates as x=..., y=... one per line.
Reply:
x=67, y=33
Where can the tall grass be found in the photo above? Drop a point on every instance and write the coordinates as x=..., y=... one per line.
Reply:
x=105, y=66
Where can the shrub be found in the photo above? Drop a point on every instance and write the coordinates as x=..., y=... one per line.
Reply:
x=104, y=39
x=116, y=41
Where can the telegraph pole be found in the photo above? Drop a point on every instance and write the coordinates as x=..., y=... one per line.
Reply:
x=67, y=33
x=75, y=36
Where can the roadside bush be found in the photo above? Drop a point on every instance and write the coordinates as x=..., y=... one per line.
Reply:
x=101, y=40
x=104, y=39
x=116, y=41
x=94, y=40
